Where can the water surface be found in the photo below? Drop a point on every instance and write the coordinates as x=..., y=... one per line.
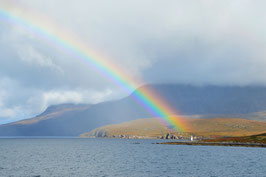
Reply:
x=122, y=157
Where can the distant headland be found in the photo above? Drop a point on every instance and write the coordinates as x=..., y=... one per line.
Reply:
x=245, y=141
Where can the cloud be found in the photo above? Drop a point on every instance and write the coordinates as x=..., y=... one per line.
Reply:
x=6, y=111
x=30, y=56
x=192, y=42
x=17, y=101
x=54, y=97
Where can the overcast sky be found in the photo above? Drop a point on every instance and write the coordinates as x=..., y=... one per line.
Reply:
x=192, y=42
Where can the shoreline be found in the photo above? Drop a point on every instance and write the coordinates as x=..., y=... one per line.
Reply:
x=233, y=144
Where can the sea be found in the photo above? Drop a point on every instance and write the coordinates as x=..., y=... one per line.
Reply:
x=63, y=157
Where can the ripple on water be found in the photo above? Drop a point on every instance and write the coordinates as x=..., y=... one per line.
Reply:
x=105, y=157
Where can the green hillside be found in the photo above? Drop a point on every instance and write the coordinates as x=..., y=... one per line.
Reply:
x=261, y=138
x=217, y=127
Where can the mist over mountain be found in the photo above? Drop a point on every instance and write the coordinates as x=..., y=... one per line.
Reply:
x=205, y=101
x=189, y=99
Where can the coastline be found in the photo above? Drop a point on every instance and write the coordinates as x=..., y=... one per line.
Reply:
x=234, y=144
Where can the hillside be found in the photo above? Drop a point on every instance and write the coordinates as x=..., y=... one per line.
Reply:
x=260, y=138
x=152, y=127
x=227, y=127
x=44, y=124
x=52, y=112
x=193, y=101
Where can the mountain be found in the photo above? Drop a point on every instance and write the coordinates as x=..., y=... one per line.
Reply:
x=153, y=128
x=43, y=124
x=193, y=101
x=214, y=99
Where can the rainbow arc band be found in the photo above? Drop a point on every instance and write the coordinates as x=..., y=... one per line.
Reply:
x=61, y=39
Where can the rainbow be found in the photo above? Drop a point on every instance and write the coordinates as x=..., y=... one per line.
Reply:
x=63, y=40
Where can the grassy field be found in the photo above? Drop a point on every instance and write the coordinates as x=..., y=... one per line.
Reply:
x=217, y=127
x=227, y=127
x=261, y=138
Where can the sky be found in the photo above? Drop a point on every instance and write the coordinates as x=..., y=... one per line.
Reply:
x=198, y=42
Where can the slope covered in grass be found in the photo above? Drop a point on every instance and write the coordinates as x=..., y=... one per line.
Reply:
x=217, y=127
x=261, y=138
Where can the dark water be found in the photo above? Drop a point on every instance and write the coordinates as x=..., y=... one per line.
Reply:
x=117, y=157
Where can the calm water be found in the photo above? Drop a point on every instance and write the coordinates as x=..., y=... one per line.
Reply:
x=116, y=157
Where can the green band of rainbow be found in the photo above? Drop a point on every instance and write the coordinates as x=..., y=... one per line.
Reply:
x=66, y=42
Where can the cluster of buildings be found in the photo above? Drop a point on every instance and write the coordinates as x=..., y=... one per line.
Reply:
x=180, y=137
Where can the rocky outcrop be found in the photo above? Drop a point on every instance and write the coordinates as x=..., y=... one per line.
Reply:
x=172, y=136
x=99, y=134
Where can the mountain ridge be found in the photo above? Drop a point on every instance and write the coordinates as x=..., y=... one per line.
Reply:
x=191, y=101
